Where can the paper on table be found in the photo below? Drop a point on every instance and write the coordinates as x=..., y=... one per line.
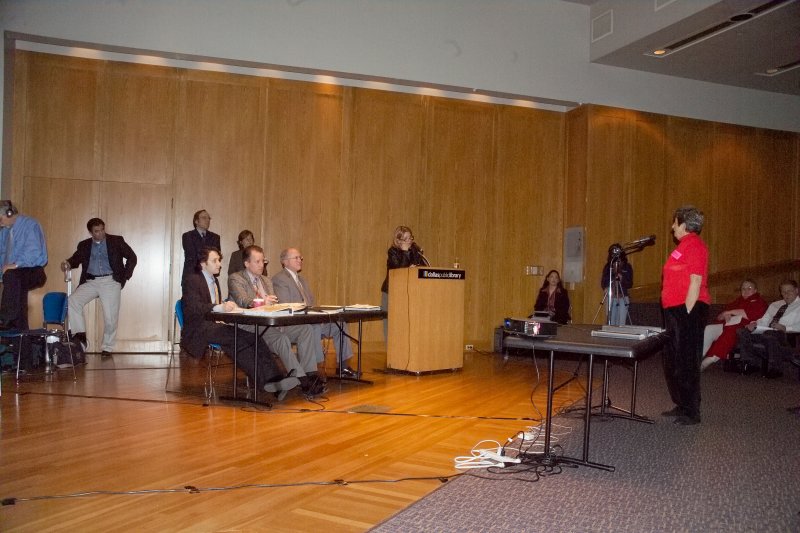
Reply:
x=363, y=307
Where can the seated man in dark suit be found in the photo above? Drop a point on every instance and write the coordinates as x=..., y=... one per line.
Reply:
x=782, y=317
x=201, y=295
x=107, y=263
x=291, y=287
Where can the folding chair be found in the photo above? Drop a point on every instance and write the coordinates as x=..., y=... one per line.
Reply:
x=213, y=359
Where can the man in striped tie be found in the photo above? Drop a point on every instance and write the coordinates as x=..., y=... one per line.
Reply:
x=291, y=286
x=767, y=335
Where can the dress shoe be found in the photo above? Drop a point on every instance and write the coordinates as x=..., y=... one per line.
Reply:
x=282, y=387
x=105, y=353
x=80, y=337
x=708, y=361
x=312, y=386
x=685, y=420
x=795, y=360
x=675, y=411
x=347, y=372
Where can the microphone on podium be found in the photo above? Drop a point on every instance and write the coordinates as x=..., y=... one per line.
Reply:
x=421, y=254
x=641, y=243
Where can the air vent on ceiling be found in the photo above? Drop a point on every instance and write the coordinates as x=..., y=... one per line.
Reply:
x=603, y=25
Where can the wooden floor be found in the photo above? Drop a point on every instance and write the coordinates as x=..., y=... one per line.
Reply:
x=116, y=430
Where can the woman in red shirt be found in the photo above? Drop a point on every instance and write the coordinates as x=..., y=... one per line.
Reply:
x=685, y=300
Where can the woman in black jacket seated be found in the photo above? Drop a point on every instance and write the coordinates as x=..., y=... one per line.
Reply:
x=553, y=298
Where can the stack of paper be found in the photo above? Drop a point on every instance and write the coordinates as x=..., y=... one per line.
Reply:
x=326, y=309
x=362, y=307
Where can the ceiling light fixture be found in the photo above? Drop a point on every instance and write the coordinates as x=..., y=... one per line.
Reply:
x=716, y=29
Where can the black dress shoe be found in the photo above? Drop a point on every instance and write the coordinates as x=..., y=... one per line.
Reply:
x=686, y=420
x=675, y=411
x=105, y=353
x=347, y=372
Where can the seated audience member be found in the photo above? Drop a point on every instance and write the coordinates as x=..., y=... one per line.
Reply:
x=236, y=262
x=250, y=284
x=719, y=339
x=781, y=317
x=292, y=287
x=24, y=255
x=201, y=295
x=553, y=298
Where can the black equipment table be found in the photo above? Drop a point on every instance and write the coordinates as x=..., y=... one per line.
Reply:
x=300, y=318
x=578, y=339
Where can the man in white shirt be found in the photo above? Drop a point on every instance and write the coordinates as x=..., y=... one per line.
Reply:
x=768, y=333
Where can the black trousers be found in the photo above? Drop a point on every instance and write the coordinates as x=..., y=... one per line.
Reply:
x=222, y=334
x=683, y=353
x=773, y=344
x=17, y=282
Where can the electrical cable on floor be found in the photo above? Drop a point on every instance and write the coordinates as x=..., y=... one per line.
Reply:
x=192, y=489
x=286, y=410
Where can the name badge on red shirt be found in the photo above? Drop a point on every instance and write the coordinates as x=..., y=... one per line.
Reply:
x=676, y=254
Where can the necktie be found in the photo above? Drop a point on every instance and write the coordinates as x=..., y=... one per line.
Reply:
x=778, y=315
x=258, y=289
x=302, y=292
x=216, y=293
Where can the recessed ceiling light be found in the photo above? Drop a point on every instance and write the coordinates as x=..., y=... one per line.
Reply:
x=659, y=52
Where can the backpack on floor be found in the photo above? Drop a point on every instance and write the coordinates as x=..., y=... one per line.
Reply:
x=59, y=351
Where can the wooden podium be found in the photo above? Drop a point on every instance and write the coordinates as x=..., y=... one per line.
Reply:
x=426, y=319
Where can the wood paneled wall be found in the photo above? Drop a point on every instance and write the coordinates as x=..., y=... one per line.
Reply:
x=330, y=170
x=631, y=170
x=334, y=170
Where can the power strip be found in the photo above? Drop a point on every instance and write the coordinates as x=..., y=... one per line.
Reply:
x=494, y=456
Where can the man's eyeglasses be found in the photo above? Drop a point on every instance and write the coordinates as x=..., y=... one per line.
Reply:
x=298, y=257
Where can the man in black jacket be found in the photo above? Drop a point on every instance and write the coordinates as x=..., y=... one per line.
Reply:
x=106, y=262
x=201, y=295
x=195, y=240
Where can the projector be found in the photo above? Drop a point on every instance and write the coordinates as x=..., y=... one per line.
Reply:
x=530, y=326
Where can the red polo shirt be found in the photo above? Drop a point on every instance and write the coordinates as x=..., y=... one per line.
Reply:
x=690, y=257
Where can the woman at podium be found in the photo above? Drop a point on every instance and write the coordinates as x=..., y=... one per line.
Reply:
x=553, y=298
x=403, y=253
